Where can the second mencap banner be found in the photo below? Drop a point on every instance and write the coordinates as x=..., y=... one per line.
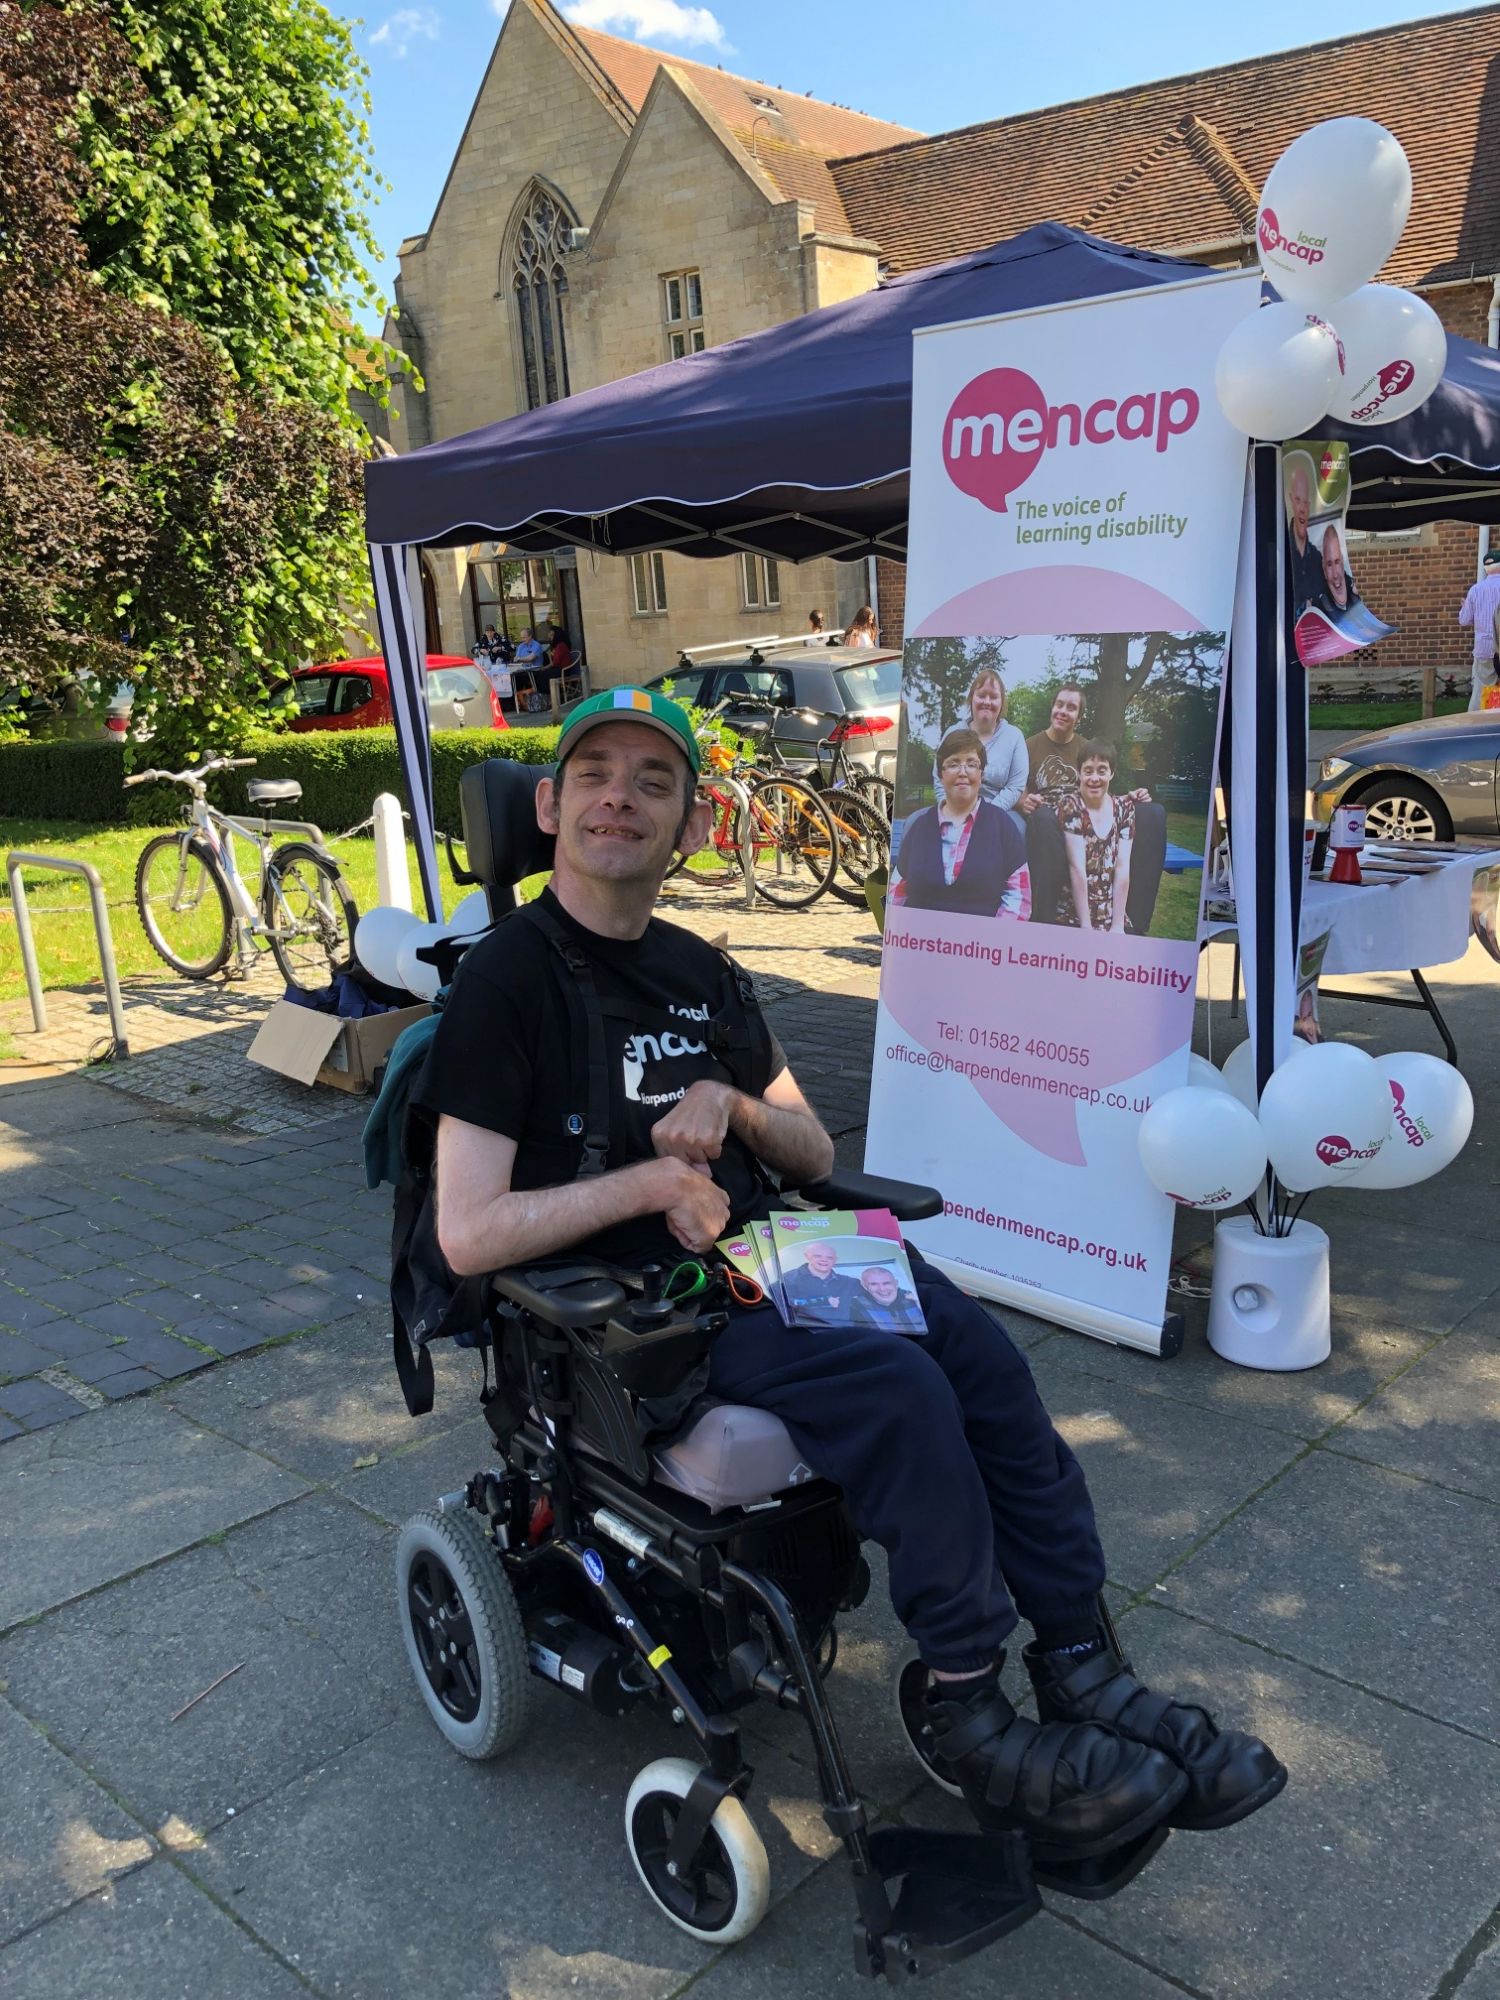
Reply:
x=1075, y=512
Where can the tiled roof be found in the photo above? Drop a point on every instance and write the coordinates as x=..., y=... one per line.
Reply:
x=1175, y=164
x=792, y=137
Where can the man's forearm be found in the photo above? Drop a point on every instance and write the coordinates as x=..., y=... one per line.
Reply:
x=793, y=1143
x=533, y=1222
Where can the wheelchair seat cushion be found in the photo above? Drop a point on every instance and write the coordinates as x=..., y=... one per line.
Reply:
x=732, y=1456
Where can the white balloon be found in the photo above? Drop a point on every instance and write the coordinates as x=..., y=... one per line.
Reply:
x=414, y=973
x=1238, y=1073
x=472, y=914
x=1332, y=210
x=1433, y=1116
x=1202, y=1148
x=377, y=936
x=1278, y=371
x=1395, y=351
x=1324, y=1115
x=1203, y=1076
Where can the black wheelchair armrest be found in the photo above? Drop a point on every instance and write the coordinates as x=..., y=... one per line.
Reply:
x=843, y=1188
x=585, y=1299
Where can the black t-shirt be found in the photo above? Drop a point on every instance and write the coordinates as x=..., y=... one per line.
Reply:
x=504, y=1057
x=1054, y=766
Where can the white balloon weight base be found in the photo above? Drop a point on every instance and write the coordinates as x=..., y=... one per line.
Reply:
x=1269, y=1303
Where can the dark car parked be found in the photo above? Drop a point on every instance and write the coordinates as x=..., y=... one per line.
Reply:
x=815, y=687
x=1418, y=780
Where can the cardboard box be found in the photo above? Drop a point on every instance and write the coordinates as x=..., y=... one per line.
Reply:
x=320, y=1048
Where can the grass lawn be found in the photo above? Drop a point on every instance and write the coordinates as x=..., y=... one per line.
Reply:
x=1176, y=914
x=1355, y=715
x=60, y=918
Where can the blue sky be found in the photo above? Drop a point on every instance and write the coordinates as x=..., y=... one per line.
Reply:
x=932, y=64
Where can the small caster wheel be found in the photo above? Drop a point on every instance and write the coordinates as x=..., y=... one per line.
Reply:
x=726, y=1888
x=910, y=1688
x=463, y=1632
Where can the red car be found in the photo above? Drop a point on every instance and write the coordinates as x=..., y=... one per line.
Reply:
x=356, y=694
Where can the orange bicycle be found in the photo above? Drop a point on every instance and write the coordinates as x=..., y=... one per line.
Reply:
x=784, y=825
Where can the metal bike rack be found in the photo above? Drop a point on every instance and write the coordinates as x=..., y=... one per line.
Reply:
x=745, y=832
x=15, y=861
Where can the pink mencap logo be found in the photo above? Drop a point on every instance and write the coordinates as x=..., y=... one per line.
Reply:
x=999, y=425
x=1309, y=251
x=1394, y=379
x=1334, y=1150
x=791, y=1222
x=1270, y=229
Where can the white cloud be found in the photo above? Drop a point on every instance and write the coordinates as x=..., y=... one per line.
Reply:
x=398, y=31
x=649, y=21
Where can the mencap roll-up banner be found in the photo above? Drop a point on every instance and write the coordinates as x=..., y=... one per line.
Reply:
x=1075, y=515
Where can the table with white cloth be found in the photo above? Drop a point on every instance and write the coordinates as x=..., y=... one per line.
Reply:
x=1400, y=923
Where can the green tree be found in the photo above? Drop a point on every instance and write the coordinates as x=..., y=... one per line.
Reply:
x=181, y=235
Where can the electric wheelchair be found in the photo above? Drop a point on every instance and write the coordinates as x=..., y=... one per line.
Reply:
x=695, y=1571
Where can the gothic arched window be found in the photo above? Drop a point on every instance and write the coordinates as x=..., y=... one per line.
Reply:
x=538, y=284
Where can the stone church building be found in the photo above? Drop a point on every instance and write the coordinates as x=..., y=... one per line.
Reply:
x=611, y=207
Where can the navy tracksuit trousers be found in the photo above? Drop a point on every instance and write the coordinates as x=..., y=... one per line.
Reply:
x=947, y=1458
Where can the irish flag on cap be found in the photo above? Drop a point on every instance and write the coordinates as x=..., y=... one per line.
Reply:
x=636, y=705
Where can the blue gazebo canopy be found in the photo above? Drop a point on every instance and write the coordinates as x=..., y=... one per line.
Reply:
x=795, y=442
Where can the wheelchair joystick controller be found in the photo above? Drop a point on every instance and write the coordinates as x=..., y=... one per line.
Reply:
x=651, y=1309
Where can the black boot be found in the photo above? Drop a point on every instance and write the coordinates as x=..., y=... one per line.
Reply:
x=1080, y=1788
x=1230, y=1775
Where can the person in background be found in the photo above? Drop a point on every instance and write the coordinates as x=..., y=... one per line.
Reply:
x=963, y=855
x=490, y=646
x=1479, y=609
x=559, y=650
x=1006, y=763
x=862, y=629
x=528, y=662
x=1098, y=829
x=814, y=629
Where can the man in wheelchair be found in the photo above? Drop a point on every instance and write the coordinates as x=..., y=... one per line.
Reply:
x=940, y=1444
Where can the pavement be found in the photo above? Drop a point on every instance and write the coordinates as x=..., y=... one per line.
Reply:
x=216, y=1778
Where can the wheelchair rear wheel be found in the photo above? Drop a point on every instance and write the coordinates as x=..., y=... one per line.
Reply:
x=463, y=1633
x=725, y=1890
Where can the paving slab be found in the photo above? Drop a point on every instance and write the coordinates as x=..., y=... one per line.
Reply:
x=405, y=1480
x=153, y=1936
x=1483, y=1981
x=300, y=1602
x=321, y=1402
x=97, y=1498
x=1371, y=1575
x=1363, y=1881
x=1162, y=1473
x=1307, y=1403
x=63, y=1839
x=1438, y=1420
x=802, y=1948
x=510, y=1877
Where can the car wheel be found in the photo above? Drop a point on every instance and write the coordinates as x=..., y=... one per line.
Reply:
x=1404, y=809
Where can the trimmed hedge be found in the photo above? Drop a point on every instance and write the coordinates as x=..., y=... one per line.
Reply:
x=340, y=771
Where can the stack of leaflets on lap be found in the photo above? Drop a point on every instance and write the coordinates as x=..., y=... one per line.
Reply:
x=831, y=1267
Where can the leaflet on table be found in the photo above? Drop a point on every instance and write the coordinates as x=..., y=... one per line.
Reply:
x=845, y=1267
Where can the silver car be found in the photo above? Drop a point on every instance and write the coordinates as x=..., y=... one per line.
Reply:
x=1425, y=780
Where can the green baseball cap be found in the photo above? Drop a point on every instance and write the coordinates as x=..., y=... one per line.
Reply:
x=631, y=704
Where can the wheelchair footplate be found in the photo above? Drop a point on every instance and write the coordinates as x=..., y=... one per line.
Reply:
x=1094, y=1881
x=959, y=1892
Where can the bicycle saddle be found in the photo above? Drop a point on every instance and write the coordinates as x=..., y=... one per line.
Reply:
x=273, y=791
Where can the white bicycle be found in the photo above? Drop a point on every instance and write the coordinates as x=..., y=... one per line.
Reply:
x=196, y=907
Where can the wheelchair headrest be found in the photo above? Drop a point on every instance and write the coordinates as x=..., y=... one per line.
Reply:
x=497, y=800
